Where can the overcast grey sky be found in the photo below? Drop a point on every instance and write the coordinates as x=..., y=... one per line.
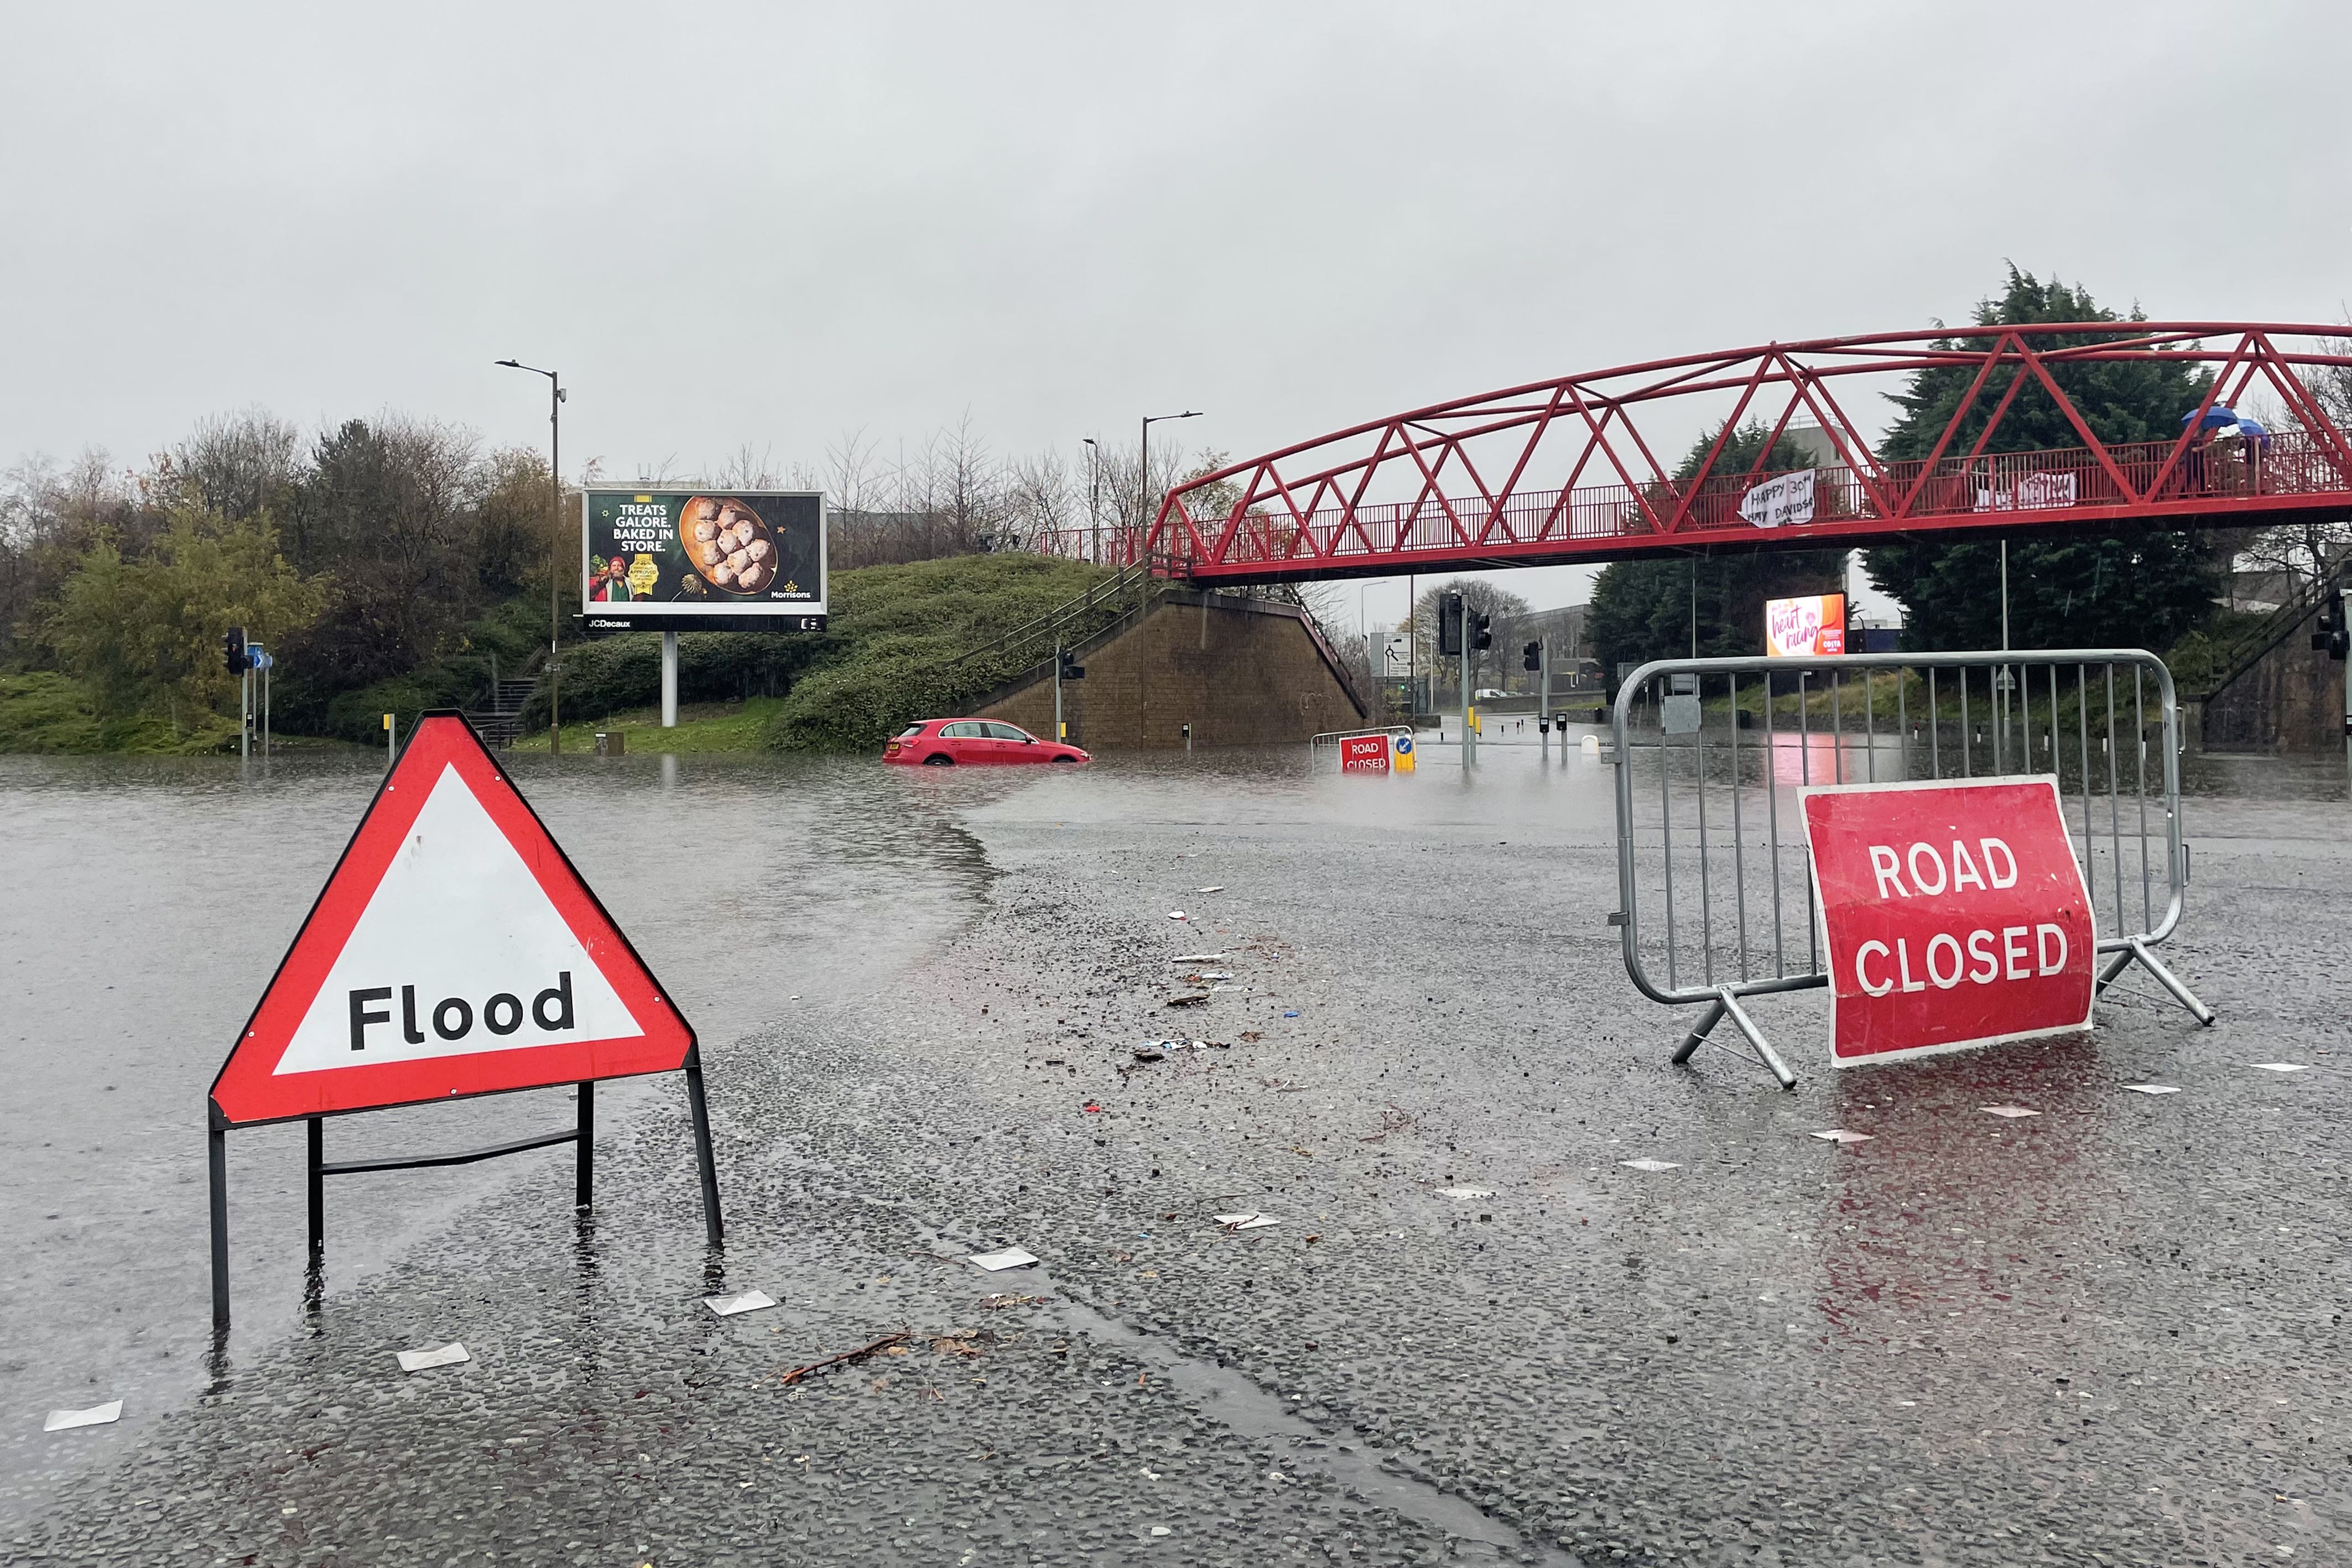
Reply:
x=767, y=223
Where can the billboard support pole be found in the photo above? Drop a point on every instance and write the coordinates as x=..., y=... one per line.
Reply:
x=1543, y=702
x=669, y=678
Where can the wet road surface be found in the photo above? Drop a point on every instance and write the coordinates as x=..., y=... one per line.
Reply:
x=2110, y=1332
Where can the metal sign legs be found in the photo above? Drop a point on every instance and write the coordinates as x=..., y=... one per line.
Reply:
x=316, y=1168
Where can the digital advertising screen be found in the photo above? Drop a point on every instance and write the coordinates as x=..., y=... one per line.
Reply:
x=705, y=559
x=1804, y=628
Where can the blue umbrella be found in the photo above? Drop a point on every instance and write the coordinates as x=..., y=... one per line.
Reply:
x=2220, y=413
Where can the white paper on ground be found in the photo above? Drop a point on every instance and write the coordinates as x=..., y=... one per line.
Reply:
x=1465, y=1192
x=1175, y=914
x=2152, y=1088
x=2011, y=1112
x=449, y=1355
x=2283, y=1066
x=1196, y=957
x=1219, y=888
x=1010, y=1258
x=1650, y=1164
x=748, y=1301
x=1251, y=1221
x=1841, y=1136
x=96, y=1416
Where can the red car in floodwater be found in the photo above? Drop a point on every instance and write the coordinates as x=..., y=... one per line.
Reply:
x=952, y=742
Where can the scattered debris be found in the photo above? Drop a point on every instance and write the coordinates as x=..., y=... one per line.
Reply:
x=1007, y=1258
x=1189, y=1000
x=960, y=1342
x=1465, y=1192
x=1161, y=1530
x=2282, y=1066
x=1150, y=1053
x=449, y=1355
x=1205, y=976
x=1252, y=1036
x=1841, y=1136
x=1175, y=914
x=998, y=1304
x=2152, y=1088
x=96, y=1416
x=1248, y=1221
x=1650, y=1164
x=1091, y=1109
x=1196, y=958
x=1391, y=1121
x=1218, y=888
x=747, y=1302
x=847, y=1357
x=2011, y=1112
x=1291, y=1014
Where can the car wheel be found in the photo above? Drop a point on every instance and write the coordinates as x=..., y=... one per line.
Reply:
x=938, y=759
x=1070, y=759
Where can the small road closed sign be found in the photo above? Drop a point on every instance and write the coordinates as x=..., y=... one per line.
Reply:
x=1952, y=914
x=1364, y=754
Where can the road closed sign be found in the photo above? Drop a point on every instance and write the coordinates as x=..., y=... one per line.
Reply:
x=1364, y=754
x=1952, y=913
x=454, y=951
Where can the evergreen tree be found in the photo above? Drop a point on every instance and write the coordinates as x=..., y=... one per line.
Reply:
x=2075, y=590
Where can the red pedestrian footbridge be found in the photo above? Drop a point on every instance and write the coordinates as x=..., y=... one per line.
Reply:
x=1571, y=470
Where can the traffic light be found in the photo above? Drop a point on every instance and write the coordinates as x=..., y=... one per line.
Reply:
x=1071, y=669
x=2333, y=637
x=1449, y=623
x=1531, y=657
x=1481, y=637
x=233, y=653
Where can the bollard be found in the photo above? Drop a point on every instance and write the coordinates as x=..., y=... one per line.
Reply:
x=610, y=743
x=1188, y=738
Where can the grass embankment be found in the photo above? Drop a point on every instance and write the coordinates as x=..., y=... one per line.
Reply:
x=702, y=728
x=894, y=651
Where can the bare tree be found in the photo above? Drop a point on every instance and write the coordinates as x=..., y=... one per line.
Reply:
x=746, y=470
x=1042, y=504
x=239, y=464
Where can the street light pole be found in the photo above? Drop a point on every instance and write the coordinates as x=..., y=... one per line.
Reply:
x=1094, y=499
x=556, y=393
x=1143, y=480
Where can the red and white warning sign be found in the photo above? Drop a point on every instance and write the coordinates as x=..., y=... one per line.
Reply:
x=454, y=951
x=1953, y=914
x=1364, y=754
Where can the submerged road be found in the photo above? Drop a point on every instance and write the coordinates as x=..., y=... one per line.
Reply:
x=2108, y=1333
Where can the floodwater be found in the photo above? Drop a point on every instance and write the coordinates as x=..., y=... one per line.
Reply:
x=149, y=902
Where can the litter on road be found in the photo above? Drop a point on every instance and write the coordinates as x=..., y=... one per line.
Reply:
x=1291, y=1014
x=1175, y=914
x=1844, y=1135
x=2152, y=1088
x=2011, y=1112
x=747, y=1302
x=1189, y=1000
x=1465, y=1192
x=1009, y=1258
x=1219, y=888
x=1150, y=1053
x=1196, y=957
x=2283, y=1066
x=1248, y=1222
x=847, y=1356
x=96, y=1416
x=1650, y=1164
x=449, y=1355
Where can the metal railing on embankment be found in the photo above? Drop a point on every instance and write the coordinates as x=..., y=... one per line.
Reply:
x=1715, y=884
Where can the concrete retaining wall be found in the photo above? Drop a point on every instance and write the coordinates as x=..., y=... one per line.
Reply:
x=2292, y=699
x=1240, y=671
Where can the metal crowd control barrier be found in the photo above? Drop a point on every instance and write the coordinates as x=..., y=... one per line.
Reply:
x=1710, y=843
x=1326, y=746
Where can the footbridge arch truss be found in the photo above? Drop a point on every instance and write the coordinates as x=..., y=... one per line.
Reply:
x=1571, y=470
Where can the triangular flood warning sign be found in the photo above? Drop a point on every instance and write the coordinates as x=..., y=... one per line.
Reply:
x=454, y=951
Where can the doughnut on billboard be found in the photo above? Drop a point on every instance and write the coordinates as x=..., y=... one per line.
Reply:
x=705, y=559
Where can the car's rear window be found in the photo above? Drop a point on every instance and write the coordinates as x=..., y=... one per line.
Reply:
x=912, y=729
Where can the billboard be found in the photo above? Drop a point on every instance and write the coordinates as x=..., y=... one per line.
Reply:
x=705, y=559
x=1804, y=628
